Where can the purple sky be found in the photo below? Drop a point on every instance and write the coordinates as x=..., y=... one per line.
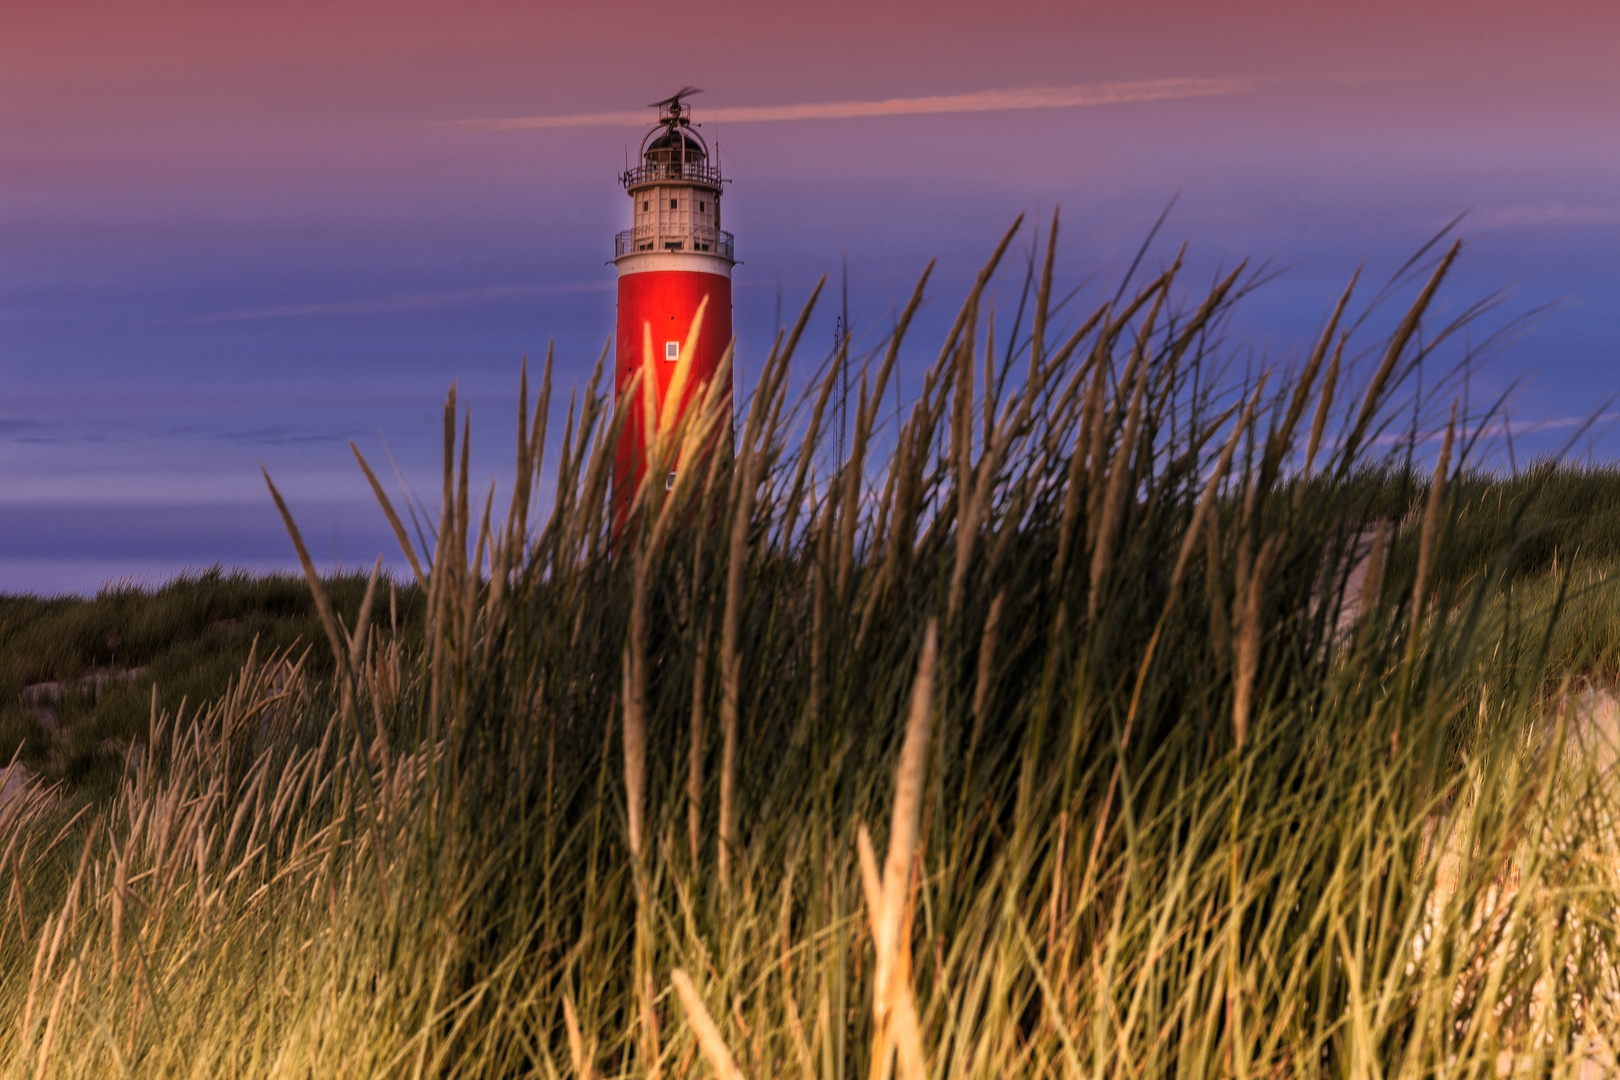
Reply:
x=226, y=241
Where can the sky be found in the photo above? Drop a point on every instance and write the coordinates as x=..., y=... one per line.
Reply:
x=235, y=235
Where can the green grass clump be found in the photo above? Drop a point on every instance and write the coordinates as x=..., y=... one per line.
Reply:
x=1046, y=745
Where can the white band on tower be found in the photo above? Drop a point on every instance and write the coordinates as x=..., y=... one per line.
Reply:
x=642, y=262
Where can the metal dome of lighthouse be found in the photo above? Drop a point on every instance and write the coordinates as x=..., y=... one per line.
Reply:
x=675, y=145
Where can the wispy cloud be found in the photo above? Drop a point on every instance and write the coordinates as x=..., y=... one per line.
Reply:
x=234, y=483
x=1561, y=423
x=1030, y=97
x=287, y=435
x=1547, y=214
x=402, y=302
x=1501, y=427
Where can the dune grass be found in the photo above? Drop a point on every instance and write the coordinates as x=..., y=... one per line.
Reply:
x=1041, y=746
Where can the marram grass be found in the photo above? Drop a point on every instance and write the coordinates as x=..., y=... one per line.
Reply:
x=1038, y=744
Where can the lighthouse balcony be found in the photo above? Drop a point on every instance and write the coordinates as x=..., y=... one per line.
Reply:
x=652, y=172
x=713, y=242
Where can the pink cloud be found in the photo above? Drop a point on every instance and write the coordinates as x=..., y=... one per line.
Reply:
x=1032, y=97
x=1547, y=214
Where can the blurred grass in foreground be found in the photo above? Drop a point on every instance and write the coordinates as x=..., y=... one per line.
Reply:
x=1044, y=746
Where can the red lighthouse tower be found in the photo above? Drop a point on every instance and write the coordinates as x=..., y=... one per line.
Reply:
x=670, y=262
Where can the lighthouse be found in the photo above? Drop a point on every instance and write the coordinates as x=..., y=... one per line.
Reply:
x=673, y=258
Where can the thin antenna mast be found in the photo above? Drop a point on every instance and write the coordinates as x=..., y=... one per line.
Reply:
x=838, y=406
x=841, y=358
x=899, y=424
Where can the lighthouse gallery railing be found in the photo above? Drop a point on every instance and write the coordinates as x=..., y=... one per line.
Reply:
x=652, y=172
x=724, y=244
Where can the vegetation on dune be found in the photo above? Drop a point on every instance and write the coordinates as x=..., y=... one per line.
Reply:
x=77, y=675
x=1095, y=730
x=1544, y=512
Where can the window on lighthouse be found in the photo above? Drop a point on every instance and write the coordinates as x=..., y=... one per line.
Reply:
x=672, y=350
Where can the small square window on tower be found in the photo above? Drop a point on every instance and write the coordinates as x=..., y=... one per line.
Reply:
x=672, y=350
x=702, y=207
x=646, y=204
x=673, y=203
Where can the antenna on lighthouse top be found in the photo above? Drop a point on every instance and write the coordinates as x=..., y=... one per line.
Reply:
x=670, y=108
